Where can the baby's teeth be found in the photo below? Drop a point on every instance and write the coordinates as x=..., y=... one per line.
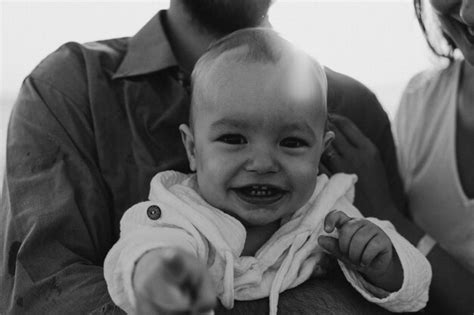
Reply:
x=259, y=193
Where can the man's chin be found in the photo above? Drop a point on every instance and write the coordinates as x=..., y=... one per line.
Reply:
x=226, y=16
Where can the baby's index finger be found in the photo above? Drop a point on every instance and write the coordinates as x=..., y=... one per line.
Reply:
x=175, y=267
x=335, y=219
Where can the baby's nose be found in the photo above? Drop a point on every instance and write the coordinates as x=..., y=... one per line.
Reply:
x=262, y=161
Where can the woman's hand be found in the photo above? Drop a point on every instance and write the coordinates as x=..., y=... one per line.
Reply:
x=352, y=152
x=172, y=281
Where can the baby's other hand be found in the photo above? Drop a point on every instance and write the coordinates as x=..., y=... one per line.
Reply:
x=172, y=281
x=364, y=247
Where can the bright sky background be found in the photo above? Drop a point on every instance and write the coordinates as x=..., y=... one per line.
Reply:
x=377, y=42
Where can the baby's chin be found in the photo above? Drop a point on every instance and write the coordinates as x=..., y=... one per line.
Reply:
x=259, y=220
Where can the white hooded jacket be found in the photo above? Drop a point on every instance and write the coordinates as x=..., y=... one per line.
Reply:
x=184, y=220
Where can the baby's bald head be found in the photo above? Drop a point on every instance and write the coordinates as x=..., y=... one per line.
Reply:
x=302, y=77
x=258, y=115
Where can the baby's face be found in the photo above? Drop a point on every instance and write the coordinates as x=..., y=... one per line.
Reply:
x=255, y=144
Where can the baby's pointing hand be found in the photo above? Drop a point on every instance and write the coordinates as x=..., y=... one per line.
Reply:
x=172, y=281
x=364, y=247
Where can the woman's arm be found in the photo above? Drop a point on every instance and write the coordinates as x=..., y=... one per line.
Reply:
x=452, y=285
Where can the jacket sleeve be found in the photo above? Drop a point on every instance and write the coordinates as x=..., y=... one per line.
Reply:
x=413, y=294
x=142, y=231
x=55, y=223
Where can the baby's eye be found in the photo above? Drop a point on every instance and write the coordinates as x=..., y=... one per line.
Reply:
x=293, y=142
x=234, y=139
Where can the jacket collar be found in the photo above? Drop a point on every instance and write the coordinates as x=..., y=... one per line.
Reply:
x=148, y=51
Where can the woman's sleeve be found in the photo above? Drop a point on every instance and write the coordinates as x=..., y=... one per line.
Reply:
x=405, y=125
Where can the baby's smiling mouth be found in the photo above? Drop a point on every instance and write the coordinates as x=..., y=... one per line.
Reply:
x=260, y=194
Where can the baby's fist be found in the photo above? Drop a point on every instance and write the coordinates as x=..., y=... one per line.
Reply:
x=170, y=280
x=365, y=247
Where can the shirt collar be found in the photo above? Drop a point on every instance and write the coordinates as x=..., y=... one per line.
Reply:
x=148, y=51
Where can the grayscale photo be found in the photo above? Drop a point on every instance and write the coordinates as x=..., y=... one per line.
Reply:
x=237, y=157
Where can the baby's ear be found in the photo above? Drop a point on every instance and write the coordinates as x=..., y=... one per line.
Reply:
x=188, y=140
x=328, y=138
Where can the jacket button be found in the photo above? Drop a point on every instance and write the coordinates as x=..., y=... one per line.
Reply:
x=153, y=212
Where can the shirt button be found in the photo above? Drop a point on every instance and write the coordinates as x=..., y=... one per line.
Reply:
x=153, y=212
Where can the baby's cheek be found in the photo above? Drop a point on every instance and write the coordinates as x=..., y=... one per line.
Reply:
x=306, y=182
x=213, y=158
x=219, y=165
x=214, y=173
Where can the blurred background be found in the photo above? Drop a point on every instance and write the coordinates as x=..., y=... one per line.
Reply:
x=377, y=42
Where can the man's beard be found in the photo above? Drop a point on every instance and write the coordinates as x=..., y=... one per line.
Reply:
x=225, y=16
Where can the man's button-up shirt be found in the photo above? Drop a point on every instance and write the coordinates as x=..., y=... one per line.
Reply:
x=91, y=126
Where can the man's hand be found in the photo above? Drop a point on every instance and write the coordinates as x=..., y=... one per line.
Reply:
x=364, y=247
x=172, y=281
x=352, y=152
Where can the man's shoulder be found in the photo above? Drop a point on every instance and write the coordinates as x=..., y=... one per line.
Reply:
x=351, y=98
x=345, y=92
x=73, y=65
x=337, y=80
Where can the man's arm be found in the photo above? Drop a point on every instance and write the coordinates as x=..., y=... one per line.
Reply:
x=55, y=214
x=331, y=294
x=351, y=99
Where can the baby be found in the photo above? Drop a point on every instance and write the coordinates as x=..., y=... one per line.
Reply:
x=255, y=219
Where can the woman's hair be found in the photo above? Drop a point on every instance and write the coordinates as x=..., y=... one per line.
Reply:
x=438, y=41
